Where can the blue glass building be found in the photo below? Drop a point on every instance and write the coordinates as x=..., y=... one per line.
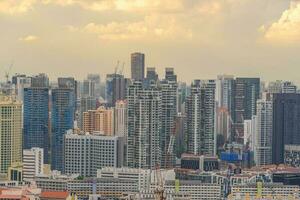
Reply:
x=62, y=117
x=36, y=119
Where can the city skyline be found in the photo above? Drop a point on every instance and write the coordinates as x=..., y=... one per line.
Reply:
x=200, y=39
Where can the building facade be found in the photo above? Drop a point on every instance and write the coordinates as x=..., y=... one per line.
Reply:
x=10, y=132
x=200, y=118
x=36, y=119
x=63, y=109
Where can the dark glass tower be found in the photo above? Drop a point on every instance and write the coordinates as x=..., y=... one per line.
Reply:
x=36, y=119
x=286, y=124
x=62, y=116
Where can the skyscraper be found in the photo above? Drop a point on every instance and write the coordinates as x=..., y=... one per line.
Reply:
x=286, y=124
x=86, y=103
x=36, y=119
x=170, y=75
x=115, y=88
x=151, y=74
x=10, y=133
x=247, y=91
x=168, y=90
x=200, y=121
x=264, y=132
x=137, y=66
x=40, y=80
x=63, y=106
x=144, y=126
x=88, y=88
x=21, y=81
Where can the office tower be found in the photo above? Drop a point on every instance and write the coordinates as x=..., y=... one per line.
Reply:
x=10, y=132
x=247, y=91
x=289, y=87
x=101, y=120
x=115, y=88
x=264, y=132
x=121, y=118
x=36, y=119
x=275, y=87
x=86, y=103
x=88, y=88
x=286, y=124
x=170, y=75
x=200, y=118
x=40, y=80
x=144, y=126
x=151, y=74
x=20, y=81
x=33, y=163
x=225, y=105
x=168, y=90
x=85, y=153
x=96, y=79
x=62, y=117
x=137, y=66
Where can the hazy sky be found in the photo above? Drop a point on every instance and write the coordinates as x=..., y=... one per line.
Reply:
x=199, y=38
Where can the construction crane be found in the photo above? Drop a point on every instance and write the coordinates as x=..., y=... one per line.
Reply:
x=159, y=191
x=7, y=73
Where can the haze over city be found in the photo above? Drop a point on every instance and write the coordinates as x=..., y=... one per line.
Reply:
x=200, y=39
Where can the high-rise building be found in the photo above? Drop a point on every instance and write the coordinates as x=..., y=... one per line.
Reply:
x=85, y=153
x=137, y=66
x=33, y=163
x=225, y=105
x=96, y=79
x=168, y=90
x=289, y=87
x=151, y=74
x=40, y=80
x=170, y=75
x=101, y=120
x=21, y=81
x=62, y=116
x=86, y=103
x=286, y=124
x=115, y=88
x=121, y=118
x=144, y=126
x=247, y=91
x=264, y=132
x=200, y=118
x=88, y=88
x=10, y=132
x=36, y=119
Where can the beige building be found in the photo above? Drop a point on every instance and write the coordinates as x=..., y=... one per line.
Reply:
x=10, y=133
x=101, y=120
x=121, y=118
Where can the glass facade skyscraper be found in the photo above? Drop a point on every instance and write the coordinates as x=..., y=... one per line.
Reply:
x=36, y=119
x=62, y=117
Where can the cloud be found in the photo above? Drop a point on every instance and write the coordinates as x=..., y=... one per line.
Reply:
x=13, y=7
x=287, y=28
x=28, y=38
x=153, y=27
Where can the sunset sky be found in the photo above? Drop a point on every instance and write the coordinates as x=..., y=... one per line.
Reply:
x=199, y=38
